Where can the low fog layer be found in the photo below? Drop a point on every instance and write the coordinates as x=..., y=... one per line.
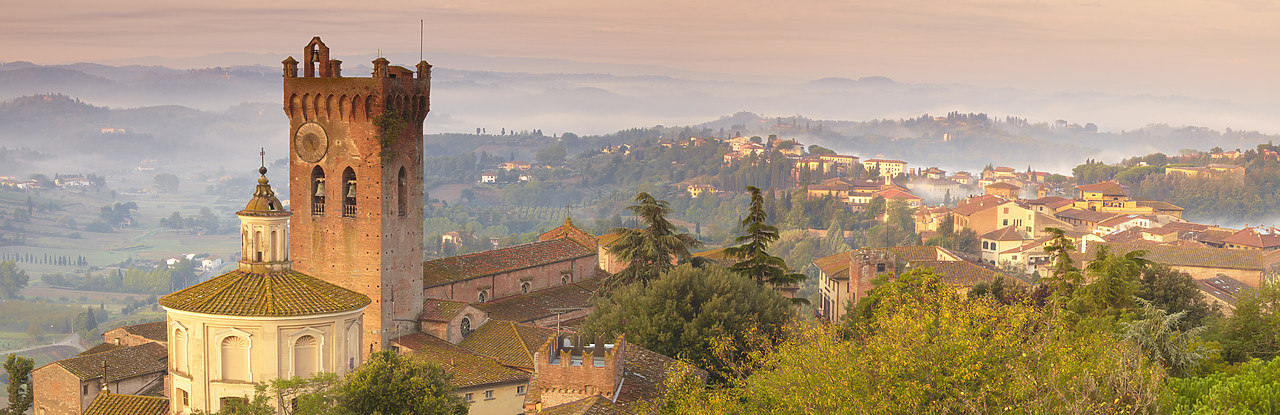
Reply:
x=238, y=107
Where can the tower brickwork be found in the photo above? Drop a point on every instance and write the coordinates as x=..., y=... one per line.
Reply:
x=355, y=172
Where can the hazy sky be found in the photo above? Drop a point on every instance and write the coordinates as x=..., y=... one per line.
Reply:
x=1209, y=49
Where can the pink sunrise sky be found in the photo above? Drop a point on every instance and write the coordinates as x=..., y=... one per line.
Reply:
x=1206, y=49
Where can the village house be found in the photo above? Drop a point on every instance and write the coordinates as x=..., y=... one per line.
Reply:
x=696, y=190
x=963, y=177
x=68, y=386
x=515, y=165
x=1263, y=239
x=1003, y=189
x=488, y=178
x=886, y=167
x=1000, y=240
x=845, y=278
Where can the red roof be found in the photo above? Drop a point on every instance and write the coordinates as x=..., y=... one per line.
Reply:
x=1007, y=233
x=898, y=194
x=885, y=161
x=1003, y=185
x=1252, y=237
x=978, y=204
x=479, y=264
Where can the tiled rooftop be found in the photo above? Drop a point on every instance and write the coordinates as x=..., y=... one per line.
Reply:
x=468, y=369
x=440, y=310
x=155, y=331
x=122, y=363
x=117, y=404
x=276, y=294
x=511, y=344
x=479, y=264
x=539, y=304
x=1190, y=256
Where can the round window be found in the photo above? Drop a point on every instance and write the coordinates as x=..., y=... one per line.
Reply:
x=465, y=326
x=524, y=288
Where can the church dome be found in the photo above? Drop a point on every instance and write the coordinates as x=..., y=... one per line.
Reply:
x=271, y=294
x=264, y=202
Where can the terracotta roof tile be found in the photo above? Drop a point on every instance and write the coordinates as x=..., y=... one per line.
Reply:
x=122, y=363
x=276, y=294
x=832, y=264
x=1252, y=237
x=1159, y=206
x=1243, y=259
x=479, y=264
x=644, y=373
x=511, y=344
x=1002, y=185
x=593, y=405
x=104, y=347
x=1007, y=233
x=1214, y=236
x=891, y=194
x=539, y=304
x=117, y=404
x=155, y=331
x=1082, y=215
x=468, y=369
x=978, y=204
x=440, y=310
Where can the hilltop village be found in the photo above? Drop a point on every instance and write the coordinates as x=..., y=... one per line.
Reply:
x=336, y=277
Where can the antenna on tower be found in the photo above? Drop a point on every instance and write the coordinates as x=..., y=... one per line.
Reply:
x=422, y=29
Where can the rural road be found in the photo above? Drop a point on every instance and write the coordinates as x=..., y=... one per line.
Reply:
x=73, y=340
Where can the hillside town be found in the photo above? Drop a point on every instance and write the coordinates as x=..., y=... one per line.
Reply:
x=333, y=284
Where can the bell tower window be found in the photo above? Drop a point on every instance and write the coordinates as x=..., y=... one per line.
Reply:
x=349, y=193
x=317, y=191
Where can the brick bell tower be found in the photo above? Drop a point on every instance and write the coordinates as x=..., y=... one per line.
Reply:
x=355, y=183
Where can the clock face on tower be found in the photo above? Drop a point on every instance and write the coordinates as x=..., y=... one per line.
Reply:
x=310, y=142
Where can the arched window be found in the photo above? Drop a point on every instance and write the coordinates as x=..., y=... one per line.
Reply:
x=317, y=191
x=257, y=245
x=524, y=287
x=353, y=345
x=465, y=326
x=180, y=363
x=402, y=193
x=348, y=193
x=306, y=356
x=235, y=359
x=484, y=295
x=271, y=246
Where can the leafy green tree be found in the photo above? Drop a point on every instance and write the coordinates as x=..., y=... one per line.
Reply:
x=930, y=351
x=20, y=390
x=12, y=279
x=684, y=311
x=1247, y=389
x=756, y=262
x=1253, y=330
x=1115, y=282
x=1176, y=292
x=1156, y=333
x=1064, y=277
x=653, y=250
x=391, y=383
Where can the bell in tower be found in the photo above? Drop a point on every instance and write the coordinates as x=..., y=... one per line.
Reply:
x=371, y=244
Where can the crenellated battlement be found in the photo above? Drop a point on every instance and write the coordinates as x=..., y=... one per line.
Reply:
x=355, y=182
x=569, y=369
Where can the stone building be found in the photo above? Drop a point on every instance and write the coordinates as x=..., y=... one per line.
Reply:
x=68, y=386
x=263, y=321
x=356, y=190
